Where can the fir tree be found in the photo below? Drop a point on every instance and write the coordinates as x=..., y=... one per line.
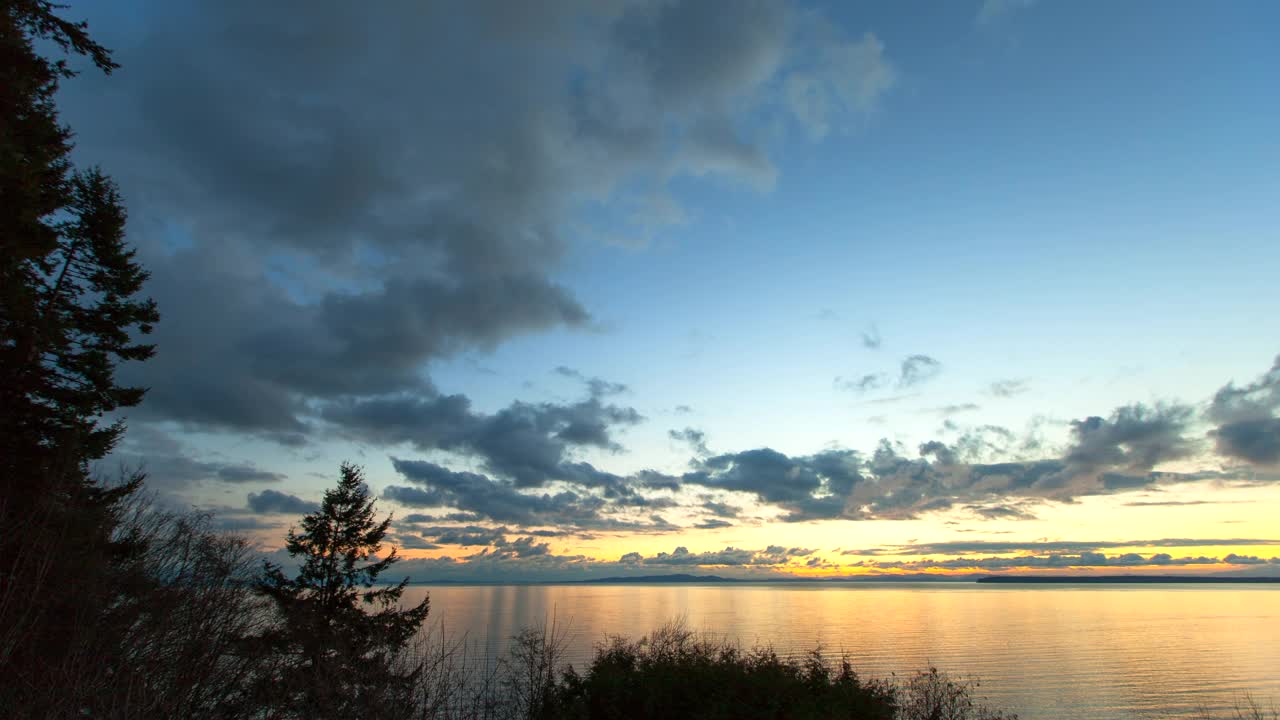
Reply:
x=69, y=312
x=340, y=642
x=68, y=282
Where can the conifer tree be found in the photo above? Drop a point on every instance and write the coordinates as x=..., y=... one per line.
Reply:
x=68, y=281
x=69, y=312
x=339, y=645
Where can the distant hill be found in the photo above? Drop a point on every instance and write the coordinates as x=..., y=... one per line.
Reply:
x=675, y=578
x=686, y=578
x=1124, y=579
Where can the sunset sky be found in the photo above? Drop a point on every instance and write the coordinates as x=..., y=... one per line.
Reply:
x=738, y=288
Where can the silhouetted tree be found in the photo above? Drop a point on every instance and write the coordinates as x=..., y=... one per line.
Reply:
x=68, y=315
x=339, y=645
x=68, y=281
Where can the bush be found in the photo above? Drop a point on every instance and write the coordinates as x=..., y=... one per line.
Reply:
x=673, y=673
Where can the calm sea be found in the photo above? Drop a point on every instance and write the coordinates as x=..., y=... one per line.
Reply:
x=1044, y=652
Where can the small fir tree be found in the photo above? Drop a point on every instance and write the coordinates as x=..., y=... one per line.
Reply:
x=339, y=646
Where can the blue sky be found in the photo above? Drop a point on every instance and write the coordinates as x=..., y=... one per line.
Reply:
x=393, y=236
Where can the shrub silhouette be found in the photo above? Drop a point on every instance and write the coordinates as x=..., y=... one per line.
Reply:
x=674, y=674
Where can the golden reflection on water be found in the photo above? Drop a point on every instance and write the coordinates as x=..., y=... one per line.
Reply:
x=1040, y=651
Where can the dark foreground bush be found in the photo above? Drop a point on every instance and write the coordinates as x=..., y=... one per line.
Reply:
x=674, y=676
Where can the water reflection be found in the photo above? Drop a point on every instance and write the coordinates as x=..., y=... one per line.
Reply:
x=1103, y=652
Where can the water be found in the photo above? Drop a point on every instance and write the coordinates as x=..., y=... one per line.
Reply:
x=1089, y=652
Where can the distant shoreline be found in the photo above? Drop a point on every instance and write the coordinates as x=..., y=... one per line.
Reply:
x=1124, y=579
x=681, y=579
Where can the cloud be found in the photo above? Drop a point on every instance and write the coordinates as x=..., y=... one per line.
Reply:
x=169, y=466
x=713, y=524
x=808, y=487
x=730, y=556
x=864, y=384
x=917, y=369
x=1007, y=388
x=871, y=338
x=526, y=442
x=1001, y=511
x=838, y=78
x=1060, y=546
x=272, y=501
x=1179, y=503
x=696, y=439
x=1047, y=562
x=956, y=409
x=1135, y=437
x=1247, y=427
x=374, y=233
x=504, y=502
x=914, y=370
x=1105, y=456
x=719, y=509
x=596, y=387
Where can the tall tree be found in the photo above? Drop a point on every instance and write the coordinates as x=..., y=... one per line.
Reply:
x=69, y=312
x=68, y=281
x=341, y=638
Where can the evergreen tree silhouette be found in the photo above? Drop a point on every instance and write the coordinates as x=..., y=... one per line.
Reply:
x=69, y=313
x=339, y=645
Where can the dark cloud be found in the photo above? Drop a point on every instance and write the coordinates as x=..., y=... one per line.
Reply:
x=1254, y=441
x=713, y=524
x=809, y=487
x=411, y=542
x=523, y=547
x=505, y=502
x=272, y=501
x=241, y=523
x=169, y=464
x=465, y=536
x=1107, y=455
x=1000, y=511
x=1135, y=437
x=696, y=439
x=526, y=442
x=917, y=369
x=1247, y=427
x=723, y=510
x=329, y=203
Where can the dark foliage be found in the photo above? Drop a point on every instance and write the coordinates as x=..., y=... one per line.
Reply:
x=672, y=674
x=337, y=649
x=68, y=314
x=68, y=281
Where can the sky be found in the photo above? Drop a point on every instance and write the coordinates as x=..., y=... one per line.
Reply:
x=761, y=289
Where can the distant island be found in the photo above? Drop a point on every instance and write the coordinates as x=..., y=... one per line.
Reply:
x=687, y=579
x=1123, y=579
x=673, y=578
